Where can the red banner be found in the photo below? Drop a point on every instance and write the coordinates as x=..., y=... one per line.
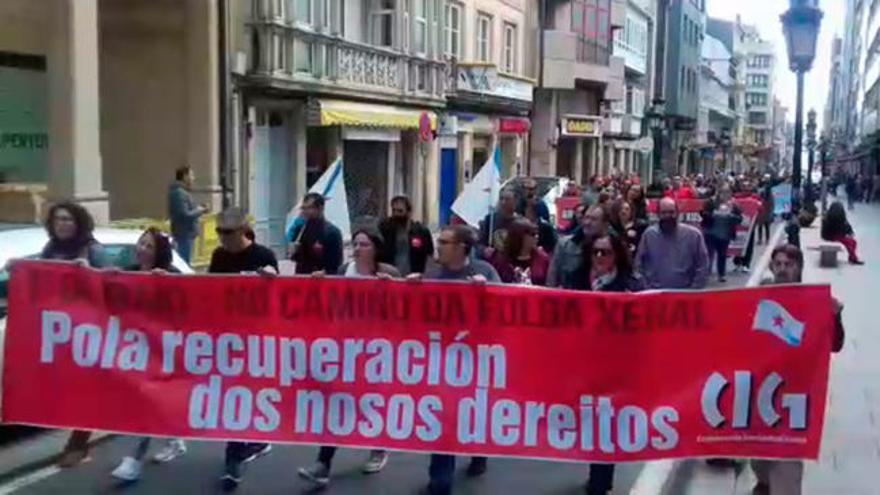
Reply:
x=689, y=212
x=420, y=366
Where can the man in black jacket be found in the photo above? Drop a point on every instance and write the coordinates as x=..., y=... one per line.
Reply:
x=316, y=245
x=408, y=244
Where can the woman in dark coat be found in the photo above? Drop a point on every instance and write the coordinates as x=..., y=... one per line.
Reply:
x=608, y=266
x=835, y=228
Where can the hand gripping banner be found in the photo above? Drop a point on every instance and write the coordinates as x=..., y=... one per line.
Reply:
x=420, y=366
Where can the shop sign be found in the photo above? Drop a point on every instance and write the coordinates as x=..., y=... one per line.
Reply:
x=581, y=126
x=485, y=79
x=513, y=126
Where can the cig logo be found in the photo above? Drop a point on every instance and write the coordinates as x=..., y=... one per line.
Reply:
x=794, y=405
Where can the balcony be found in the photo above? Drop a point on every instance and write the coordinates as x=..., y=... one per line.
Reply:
x=295, y=57
x=569, y=61
x=483, y=84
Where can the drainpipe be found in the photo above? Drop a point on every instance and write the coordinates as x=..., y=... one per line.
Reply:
x=225, y=95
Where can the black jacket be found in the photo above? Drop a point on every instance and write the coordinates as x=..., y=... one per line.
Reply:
x=421, y=245
x=624, y=283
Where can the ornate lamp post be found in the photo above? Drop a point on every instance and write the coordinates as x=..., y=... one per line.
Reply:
x=656, y=120
x=811, y=157
x=801, y=26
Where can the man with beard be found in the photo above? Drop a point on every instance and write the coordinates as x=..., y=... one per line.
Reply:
x=408, y=244
x=316, y=245
x=672, y=255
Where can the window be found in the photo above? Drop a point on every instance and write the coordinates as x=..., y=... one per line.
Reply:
x=756, y=99
x=509, y=56
x=757, y=118
x=278, y=9
x=686, y=29
x=302, y=11
x=420, y=26
x=382, y=22
x=682, y=83
x=484, y=37
x=591, y=21
x=452, y=30
x=278, y=58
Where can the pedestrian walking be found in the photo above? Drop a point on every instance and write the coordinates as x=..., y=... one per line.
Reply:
x=836, y=228
x=522, y=261
x=70, y=228
x=184, y=213
x=367, y=245
x=630, y=227
x=608, y=268
x=776, y=477
x=454, y=262
x=568, y=259
x=765, y=217
x=407, y=243
x=721, y=216
x=316, y=244
x=153, y=254
x=851, y=185
x=238, y=253
x=672, y=255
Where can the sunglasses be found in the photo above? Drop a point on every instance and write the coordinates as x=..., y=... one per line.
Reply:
x=222, y=231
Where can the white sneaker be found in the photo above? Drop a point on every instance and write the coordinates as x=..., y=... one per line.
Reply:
x=377, y=460
x=174, y=449
x=128, y=470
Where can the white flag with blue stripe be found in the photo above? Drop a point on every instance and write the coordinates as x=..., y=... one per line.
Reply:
x=480, y=195
x=331, y=185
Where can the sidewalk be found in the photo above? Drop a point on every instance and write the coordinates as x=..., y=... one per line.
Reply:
x=850, y=454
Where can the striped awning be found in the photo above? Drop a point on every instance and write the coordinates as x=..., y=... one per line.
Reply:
x=349, y=113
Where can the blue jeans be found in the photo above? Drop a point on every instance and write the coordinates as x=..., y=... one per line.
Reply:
x=184, y=247
x=441, y=472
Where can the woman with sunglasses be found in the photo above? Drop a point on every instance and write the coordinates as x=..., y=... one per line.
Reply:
x=522, y=261
x=366, y=246
x=608, y=266
x=152, y=254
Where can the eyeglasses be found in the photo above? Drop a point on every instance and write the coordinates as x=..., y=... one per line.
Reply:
x=601, y=252
x=222, y=231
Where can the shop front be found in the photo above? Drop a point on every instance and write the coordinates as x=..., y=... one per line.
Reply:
x=579, y=150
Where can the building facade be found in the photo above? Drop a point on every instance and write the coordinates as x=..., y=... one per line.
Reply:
x=578, y=77
x=82, y=118
x=625, y=126
x=718, y=117
x=760, y=65
x=685, y=32
x=489, y=97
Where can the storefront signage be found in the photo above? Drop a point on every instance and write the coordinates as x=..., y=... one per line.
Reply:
x=485, y=79
x=581, y=126
x=513, y=125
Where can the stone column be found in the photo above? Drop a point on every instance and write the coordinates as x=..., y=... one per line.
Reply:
x=75, y=169
x=578, y=171
x=202, y=100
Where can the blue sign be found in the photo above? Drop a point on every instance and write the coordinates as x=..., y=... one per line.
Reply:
x=781, y=199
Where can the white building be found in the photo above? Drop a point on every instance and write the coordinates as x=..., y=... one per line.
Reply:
x=717, y=116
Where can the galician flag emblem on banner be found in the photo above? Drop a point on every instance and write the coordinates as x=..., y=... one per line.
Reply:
x=331, y=185
x=772, y=317
x=479, y=195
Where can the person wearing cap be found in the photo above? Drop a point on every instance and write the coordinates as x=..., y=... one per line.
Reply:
x=239, y=253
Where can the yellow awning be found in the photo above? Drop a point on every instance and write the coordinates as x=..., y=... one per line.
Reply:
x=339, y=112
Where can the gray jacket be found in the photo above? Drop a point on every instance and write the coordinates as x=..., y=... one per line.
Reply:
x=183, y=212
x=567, y=263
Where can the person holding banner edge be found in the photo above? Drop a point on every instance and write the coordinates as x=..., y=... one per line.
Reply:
x=153, y=254
x=366, y=245
x=316, y=244
x=238, y=253
x=454, y=246
x=70, y=228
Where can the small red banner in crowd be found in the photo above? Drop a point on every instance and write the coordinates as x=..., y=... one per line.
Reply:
x=420, y=366
x=689, y=212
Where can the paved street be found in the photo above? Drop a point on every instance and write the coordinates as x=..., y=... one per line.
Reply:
x=199, y=470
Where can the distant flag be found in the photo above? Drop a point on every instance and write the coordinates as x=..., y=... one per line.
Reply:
x=772, y=317
x=479, y=195
x=331, y=185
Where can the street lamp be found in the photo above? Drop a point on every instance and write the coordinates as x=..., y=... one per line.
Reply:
x=801, y=26
x=811, y=157
x=656, y=120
